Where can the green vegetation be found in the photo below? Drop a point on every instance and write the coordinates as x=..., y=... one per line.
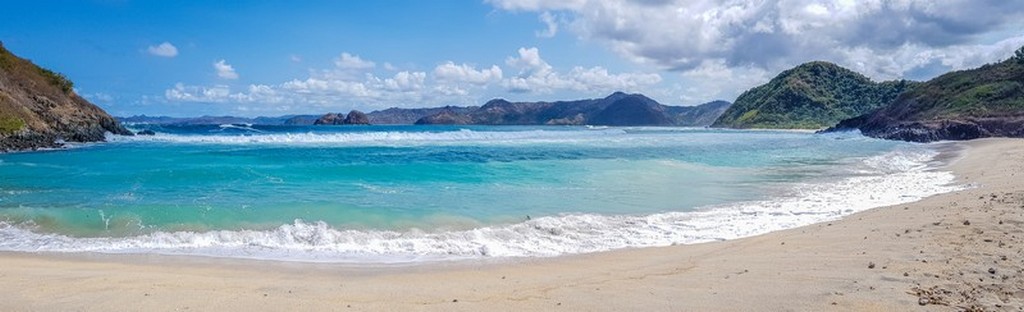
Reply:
x=17, y=66
x=1019, y=55
x=810, y=96
x=57, y=80
x=994, y=90
x=10, y=124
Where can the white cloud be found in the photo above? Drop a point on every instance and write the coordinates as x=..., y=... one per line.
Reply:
x=295, y=58
x=165, y=49
x=402, y=81
x=464, y=73
x=534, y=5
x=224, y=70
x=349, y=83
x=551, y=24
x=353, y=62
x=536, y=75
x=683, y=35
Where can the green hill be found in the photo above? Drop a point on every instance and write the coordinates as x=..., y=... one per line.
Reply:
x=984, y=102
x=39, y=108
x=814, y=95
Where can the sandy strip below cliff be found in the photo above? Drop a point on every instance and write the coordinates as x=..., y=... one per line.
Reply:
x=957, y=250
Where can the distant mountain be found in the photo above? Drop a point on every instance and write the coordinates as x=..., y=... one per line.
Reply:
x=39, y=108
x=220, y=120
x=961, y=105
x=697, y=116
x=408, y=116
x=814, y=95
x=617, y=109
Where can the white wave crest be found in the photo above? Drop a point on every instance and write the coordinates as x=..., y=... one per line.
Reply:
x=379, y=137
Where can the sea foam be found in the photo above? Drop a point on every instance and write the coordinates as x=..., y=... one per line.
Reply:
x=889, y=179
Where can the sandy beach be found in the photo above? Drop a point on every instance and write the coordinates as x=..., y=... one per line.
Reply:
x=959, y=250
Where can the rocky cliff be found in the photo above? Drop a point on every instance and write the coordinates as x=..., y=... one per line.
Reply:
x=39, y=108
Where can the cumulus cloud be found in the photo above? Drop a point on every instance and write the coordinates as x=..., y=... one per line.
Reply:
x=349, y=61
x=224, y=70
x=165, y=49
x=353, y=80
x=536, y=75
x=682, y=35
x=464, y=73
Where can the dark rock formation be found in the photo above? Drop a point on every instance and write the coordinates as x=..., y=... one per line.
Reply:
x=962, y=105
x=356, y=118
x=146, y=132
x=39, y=109
x=330, y=119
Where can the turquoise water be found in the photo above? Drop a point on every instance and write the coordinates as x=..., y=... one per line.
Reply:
x=407, y=192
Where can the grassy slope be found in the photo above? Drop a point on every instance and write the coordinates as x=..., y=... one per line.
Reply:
x=994, y=90
x=810, y=96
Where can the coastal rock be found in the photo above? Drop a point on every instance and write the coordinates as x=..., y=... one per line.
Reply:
x=330, y=119
x=146, y=132
x=356, y=118
x=39, y=109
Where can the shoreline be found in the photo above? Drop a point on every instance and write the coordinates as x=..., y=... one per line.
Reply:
x=849, y=185
x=890, y=258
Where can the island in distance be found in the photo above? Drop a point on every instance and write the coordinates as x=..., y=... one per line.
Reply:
x=617, y=109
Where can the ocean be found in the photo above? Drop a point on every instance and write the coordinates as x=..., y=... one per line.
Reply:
x=395, y=194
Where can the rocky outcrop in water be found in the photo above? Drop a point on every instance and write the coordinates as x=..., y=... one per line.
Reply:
x=330, y=119
x=356, y=118
x=39, y=109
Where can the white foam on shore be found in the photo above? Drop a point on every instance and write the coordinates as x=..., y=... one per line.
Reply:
x=893, y=178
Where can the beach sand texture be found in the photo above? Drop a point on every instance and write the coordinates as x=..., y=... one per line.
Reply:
x=958, y=251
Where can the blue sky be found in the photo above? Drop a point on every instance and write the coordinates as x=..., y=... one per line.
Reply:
x=282, y=57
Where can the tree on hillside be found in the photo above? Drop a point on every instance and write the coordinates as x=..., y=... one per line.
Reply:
x=1019, y=55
